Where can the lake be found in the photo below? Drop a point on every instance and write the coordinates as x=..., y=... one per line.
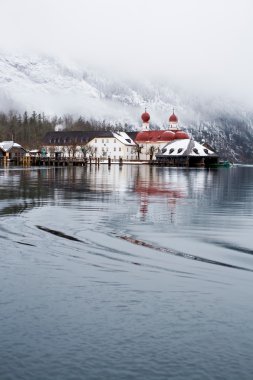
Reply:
x=130, y=272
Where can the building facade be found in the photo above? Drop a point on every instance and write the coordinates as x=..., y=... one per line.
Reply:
x=94, y=144
x=151, y=142
x=173, y=146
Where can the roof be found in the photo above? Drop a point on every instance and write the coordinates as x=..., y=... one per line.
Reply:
x=185, y=147
x=70, y=137
x=132, y=135
x=82, y=137
x=124, y=138
x=159, y=135
x=8, y=145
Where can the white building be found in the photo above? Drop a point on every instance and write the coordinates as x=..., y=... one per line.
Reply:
x=95, y=144
x=118, y=145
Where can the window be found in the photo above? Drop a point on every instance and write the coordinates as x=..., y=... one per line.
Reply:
x=107, y=140
x=114, y=149
x=96, y=141
x=206, y=151
x=103, y=141
x=171, y=150
x=127, y=149
x=115, y=140
x=179, y=150
x=119, y=149
x=195, y=150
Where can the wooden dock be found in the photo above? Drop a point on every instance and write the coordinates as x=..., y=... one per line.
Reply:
x=45, y=161
x=62, y=161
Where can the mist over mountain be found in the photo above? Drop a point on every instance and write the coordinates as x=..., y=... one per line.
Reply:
x=48, y=85
x=51, y=86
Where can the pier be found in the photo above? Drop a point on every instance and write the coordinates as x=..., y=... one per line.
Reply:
x=45, y=161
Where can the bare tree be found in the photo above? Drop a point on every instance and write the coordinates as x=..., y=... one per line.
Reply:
x=137, y=149
x=151, y=151
x=52, y=150
x=71, y=149
x=87, y=150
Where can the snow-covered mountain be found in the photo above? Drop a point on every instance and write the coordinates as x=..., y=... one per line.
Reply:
x=46, y=85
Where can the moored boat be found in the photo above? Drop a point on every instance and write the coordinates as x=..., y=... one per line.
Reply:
x=221, y=164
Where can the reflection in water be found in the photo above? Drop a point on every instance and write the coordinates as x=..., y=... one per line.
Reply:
x=125, y=273
x=190, y=204
x=151, y=183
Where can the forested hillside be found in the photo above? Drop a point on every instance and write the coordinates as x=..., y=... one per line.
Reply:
x=29, y=129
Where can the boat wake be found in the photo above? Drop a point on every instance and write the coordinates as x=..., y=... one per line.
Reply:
x=152, y=246
x=231, y=246
x=180, y=254
x=60, y=234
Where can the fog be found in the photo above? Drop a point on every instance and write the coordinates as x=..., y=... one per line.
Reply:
x=202, y=46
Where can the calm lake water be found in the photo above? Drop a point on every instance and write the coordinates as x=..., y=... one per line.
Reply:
x=126, y=273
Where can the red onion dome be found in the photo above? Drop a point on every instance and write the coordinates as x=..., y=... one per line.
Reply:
x=181, y=135
x=173, y=118
x=145, y=117
x=168, y=135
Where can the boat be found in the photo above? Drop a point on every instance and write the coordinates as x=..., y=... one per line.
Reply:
x=221, y=164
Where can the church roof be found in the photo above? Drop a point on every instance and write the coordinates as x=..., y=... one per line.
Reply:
x=160, y=135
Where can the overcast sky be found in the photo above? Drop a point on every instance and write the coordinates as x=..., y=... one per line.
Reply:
x=198, y=43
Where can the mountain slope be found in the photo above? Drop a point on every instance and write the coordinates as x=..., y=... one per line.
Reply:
x=47, y=85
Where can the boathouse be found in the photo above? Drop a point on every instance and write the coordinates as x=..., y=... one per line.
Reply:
x=186, y=152
x=11, y=150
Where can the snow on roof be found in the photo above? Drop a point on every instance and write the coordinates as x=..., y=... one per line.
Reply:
x=200, y=150
x=176, y=148
x=7, y=145
x=185, y=147
x=123, y=138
